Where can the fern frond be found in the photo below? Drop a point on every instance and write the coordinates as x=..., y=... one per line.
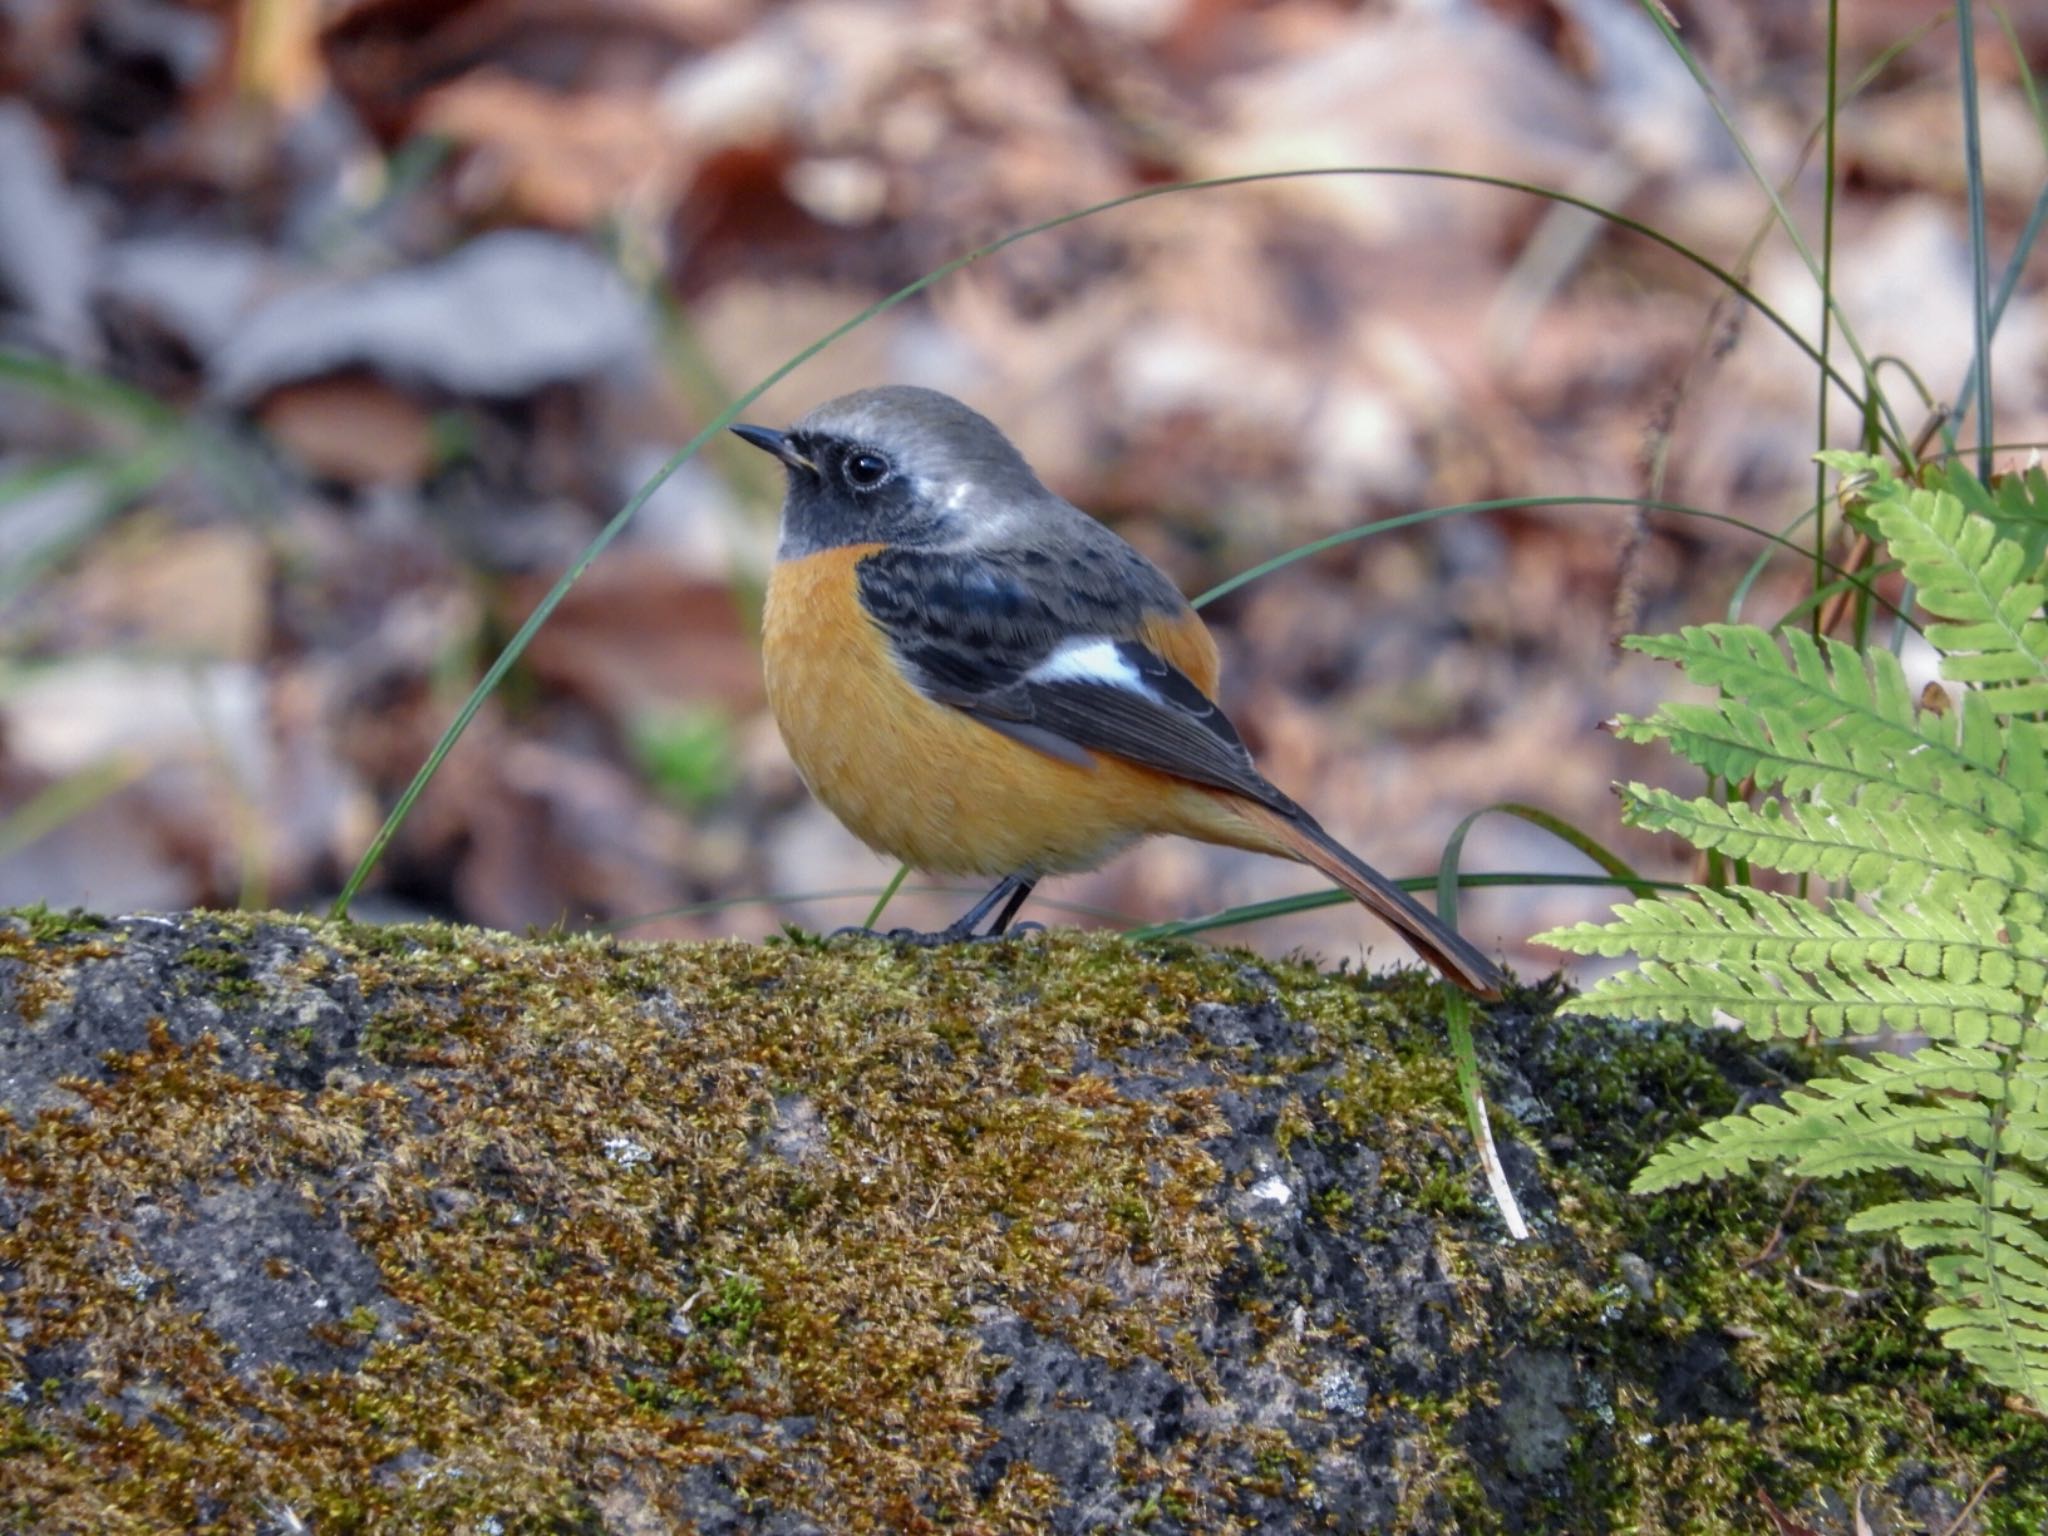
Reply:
x=1993, y=631
x=1948, y=1223
x=1833, y=724
x=1851, y=1117
x=1784, y=968
x=2014, y=503
x=1993, y=1267
x=1916, y=847
x=2027, y=1278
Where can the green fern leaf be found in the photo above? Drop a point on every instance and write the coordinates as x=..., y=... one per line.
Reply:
x=1993, y=1268
x=1835, y=725
x=1914, y=847
x=1847, y=1123
x=2015, y=503
x=1994, y=632
x=1785, y=968
x=2022, y=1277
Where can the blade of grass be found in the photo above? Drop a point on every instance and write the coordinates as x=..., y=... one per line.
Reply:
x=91, y=393
x=2025, y=245
x=1717, y=336
x=1980, y=256
x=1977, y=380
x=1315, y=901
x=1885, y=360
x=1827, y=287
x=1818, y=598
x=1738, y=596
x=1662, y=21
x=124, y=479
x=1458, y=1016
x=2023, y=445
x=1411, y=519
x=1458, y=1007
x=22, y=483
x=2026, y=73
x=1447, y=882
x=69, y=797
x=2015, y=269
x=888, y=891
x=162, y=428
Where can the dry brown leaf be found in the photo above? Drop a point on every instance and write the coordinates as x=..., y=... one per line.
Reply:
x=276, y=53
x=351, y=428
x=551, y=157
x=188, y=591
x=639, y=635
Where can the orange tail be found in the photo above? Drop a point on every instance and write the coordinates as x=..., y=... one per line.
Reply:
x=1299, y=837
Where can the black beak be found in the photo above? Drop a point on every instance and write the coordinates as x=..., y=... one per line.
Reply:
x=768, y=440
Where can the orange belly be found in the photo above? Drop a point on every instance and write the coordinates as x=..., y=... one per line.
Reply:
x=921, y=781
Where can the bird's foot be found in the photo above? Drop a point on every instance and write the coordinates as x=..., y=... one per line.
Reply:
x=959, y=933
x=955, y=934
x=893, y=935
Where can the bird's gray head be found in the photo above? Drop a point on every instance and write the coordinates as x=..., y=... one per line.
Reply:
x=895, y=466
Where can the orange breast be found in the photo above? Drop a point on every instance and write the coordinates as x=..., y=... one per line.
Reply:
x=921, y=781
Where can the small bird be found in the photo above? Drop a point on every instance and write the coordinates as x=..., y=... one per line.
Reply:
x=977, y=677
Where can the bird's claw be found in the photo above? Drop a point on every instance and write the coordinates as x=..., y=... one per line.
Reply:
x=935, y=939
x=892, y=935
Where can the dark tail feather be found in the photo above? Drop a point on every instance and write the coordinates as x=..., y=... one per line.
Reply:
x=1457, y=959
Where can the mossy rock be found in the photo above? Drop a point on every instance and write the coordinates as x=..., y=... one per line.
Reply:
x=317, y=1227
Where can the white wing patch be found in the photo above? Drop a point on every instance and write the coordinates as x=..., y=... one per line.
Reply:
x=1089, y=659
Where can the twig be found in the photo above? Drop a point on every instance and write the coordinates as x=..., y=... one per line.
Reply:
x=1786, y=1525
x=1832, y=610
x=1955, y=1526
x=1826, y=1289
x=1778, y=1232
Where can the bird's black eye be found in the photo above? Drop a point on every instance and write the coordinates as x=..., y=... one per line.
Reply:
x=864, y=468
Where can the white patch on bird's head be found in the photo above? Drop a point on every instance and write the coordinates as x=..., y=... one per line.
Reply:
x=972, y=518
x=1089, y=659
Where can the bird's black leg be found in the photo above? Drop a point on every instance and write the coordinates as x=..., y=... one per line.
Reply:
x=1007, y=896
x=1017, y=899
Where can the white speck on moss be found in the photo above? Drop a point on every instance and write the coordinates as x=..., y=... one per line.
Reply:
x=626, y=1152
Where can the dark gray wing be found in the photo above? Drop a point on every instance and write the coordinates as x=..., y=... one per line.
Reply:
x=1044, y=650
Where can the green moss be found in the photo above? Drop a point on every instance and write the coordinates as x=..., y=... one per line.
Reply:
x=216, y=960
x=48, y=927
x=1447, y=1492
x=591, y=1211
x=735, y=1309
x=1332, y=1204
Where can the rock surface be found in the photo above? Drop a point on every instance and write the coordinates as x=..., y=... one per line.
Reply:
x=315, y=1227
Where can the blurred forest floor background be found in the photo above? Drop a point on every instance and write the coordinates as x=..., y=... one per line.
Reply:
x=337, y=329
